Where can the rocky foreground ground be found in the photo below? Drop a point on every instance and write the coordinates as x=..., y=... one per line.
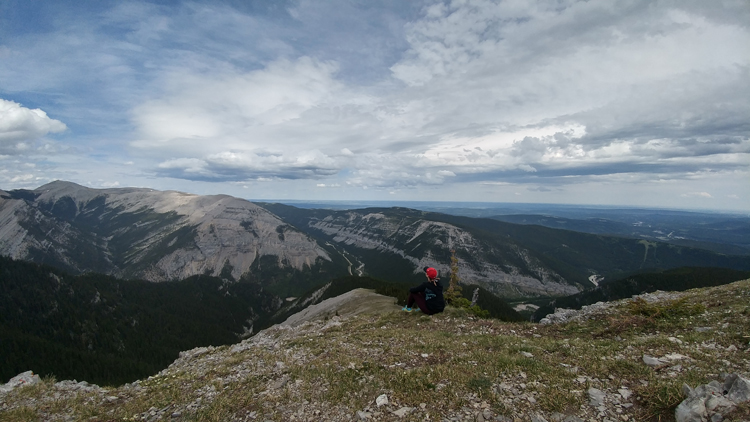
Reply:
x=632, y=360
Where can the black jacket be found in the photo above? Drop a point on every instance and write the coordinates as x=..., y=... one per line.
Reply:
x=433, y=295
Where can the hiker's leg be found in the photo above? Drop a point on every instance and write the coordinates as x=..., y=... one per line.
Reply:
x=411, y=299
x=419, y=299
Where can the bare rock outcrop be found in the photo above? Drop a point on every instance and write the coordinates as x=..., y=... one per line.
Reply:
x=712, y=401
x=21, y=380
x=354, y=302
x=150, y=234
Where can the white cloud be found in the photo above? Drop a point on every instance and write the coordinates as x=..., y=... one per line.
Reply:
x=626, y=75
x=235, y=107
x=256, y=165
x=20, y=125
x=22, y=178
x=697, y=194
x=188, y=165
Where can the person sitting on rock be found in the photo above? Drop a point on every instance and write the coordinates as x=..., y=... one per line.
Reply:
x=428, y=295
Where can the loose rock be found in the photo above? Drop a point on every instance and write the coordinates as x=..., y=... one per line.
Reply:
x=20, y=380
x=381, y=400
x=713, y=400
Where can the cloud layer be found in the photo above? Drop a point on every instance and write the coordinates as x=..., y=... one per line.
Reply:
x=479, y=99
x=21, y=127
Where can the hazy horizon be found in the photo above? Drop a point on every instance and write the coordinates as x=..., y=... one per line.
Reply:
x=496, y=205
x=434, y=204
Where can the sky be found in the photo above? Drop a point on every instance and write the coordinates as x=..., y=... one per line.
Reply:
x=623, y=103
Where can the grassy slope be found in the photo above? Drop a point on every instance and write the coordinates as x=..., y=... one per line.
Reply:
x=442, y=366
x=496, y=307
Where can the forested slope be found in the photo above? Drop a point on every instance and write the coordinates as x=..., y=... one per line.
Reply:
x=679, y=279
x=109, y=331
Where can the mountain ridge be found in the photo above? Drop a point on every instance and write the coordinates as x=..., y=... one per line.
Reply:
x=168, y=235
x=511, y=260
x=143, y=233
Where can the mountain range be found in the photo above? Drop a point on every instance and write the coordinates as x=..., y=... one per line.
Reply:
x=724, y=232
x=510, y=260
x=166, y=235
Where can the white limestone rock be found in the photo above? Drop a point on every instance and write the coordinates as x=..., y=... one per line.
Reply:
x=21, y=380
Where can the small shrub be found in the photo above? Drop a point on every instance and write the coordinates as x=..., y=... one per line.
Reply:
x=453, y=293
x=619, y=324
x=669, y=310
x=479, y=384
x=559, y=398
x=622, y=368
x=463, y=303
x=659, y=399
x=740, y=413
x=20, y=414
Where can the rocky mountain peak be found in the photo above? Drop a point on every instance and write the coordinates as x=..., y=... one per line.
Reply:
x=145, y=233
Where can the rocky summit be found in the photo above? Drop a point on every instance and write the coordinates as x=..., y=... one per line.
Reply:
x=147, y=234
x=657, y=356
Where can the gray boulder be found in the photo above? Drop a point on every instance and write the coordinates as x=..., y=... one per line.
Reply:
x=737, y=388
x=712, y=401
x=20, y=380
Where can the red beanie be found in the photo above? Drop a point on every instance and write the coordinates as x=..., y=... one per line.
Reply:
x=431, y=272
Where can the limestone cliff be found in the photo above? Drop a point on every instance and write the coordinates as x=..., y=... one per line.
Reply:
x=146, y=233
x=510, y=272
